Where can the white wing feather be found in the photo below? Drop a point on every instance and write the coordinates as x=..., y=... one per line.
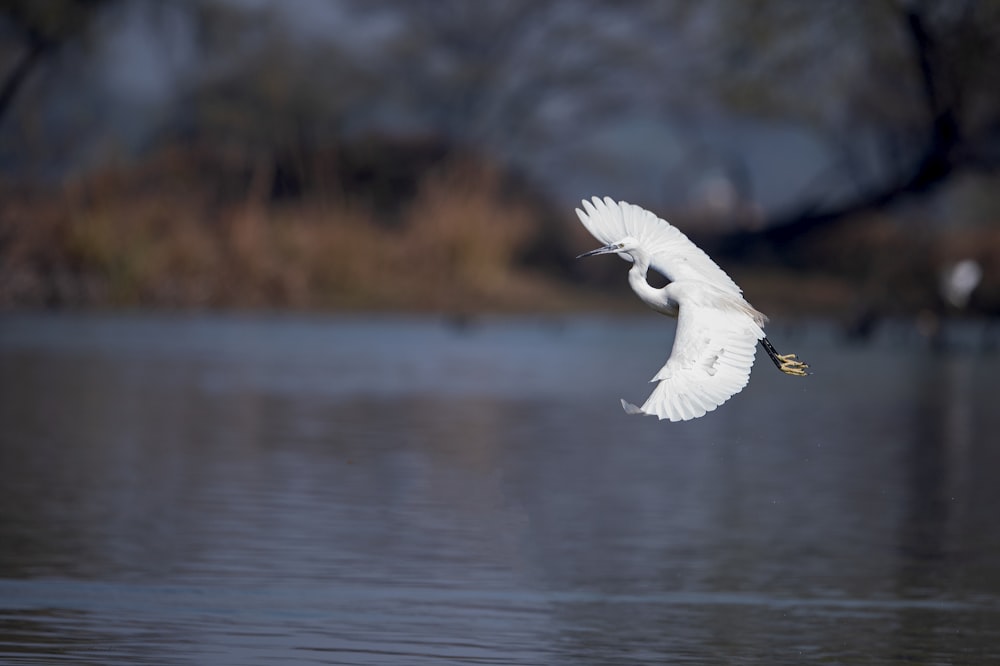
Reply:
x=671, y=252
x=710, y=362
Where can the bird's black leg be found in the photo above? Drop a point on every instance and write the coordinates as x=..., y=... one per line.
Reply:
x=771, y=351
x=787, y=363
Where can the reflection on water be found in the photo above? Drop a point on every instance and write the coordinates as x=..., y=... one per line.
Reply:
x=307, y=490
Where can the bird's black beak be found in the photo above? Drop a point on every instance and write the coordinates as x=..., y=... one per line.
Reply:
x=607, y=249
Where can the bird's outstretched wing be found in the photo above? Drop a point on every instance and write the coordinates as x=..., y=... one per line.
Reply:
x=709, y=363
x=671, y=252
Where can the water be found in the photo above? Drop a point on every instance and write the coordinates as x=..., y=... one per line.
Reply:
x=298, y=490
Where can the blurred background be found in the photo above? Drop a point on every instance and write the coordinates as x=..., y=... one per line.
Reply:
x=297, y=364
x=839, y=158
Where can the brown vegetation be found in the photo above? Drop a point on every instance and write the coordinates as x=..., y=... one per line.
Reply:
x=171, y=234
x=406, y=225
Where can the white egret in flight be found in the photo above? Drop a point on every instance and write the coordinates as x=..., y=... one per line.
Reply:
x=717, y=330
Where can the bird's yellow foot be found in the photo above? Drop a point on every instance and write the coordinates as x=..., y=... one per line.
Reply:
x=791, y=365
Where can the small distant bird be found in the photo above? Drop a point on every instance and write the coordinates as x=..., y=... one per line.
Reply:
x=959, y=280
x=717, y=330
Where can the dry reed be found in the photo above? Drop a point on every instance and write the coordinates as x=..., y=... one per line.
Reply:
x=116, y=241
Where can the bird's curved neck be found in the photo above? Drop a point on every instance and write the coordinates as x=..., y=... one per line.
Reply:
x=651, y=296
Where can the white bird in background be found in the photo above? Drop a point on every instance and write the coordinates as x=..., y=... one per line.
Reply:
x=959, y=281
x=717, y=330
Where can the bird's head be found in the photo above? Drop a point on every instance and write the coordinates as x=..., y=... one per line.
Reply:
x=623, y=248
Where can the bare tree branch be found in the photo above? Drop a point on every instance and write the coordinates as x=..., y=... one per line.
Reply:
x=32, y=56
x=948, y=148
x=45, y=28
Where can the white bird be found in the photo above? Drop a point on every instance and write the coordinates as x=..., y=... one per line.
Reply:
x=959, y=281
x=717, y=330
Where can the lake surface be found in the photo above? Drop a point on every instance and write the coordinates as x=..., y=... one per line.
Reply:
x=391, y=490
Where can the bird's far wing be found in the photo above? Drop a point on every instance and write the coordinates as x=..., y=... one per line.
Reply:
x=709, y=363
x=671, y=252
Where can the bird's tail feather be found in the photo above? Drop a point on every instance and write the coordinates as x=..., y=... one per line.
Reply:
x=630, y=408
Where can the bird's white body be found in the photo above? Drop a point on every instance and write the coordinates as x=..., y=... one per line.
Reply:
x=717, y=330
